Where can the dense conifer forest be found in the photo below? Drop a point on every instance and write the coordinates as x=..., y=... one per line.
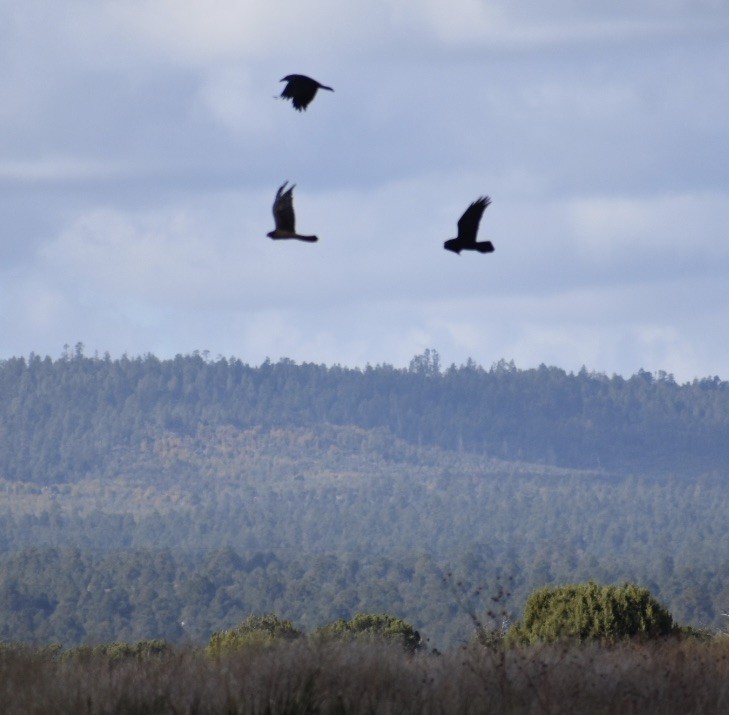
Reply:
x=147, y=498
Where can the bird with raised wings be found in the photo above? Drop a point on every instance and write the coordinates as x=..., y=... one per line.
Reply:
x=283, y=216
x=301, y=89
x=468, y=228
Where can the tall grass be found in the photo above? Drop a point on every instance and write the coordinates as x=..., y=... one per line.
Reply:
x=671, y=676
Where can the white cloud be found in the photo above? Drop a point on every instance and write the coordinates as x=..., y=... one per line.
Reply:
x=524, y=26
x=57, y=169
x=682, y=232
x=163, y=258
x=231, y=95
x=198, y=32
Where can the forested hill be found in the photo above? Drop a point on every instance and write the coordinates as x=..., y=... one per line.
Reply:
x=146, y=498
x=61, y=419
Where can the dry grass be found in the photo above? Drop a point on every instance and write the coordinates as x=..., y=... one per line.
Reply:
x=674, y=676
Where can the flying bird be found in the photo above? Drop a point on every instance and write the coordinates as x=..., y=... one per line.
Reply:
x=468, y=228
x=283, y=216
x=301, y=89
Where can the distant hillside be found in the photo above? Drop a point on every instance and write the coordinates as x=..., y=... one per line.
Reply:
x=189, y=534
x=145, y=498
x=62, y=420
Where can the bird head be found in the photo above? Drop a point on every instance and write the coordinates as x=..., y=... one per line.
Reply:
x=453, y=245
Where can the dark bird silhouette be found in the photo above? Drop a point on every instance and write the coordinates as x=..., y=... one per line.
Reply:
x=468, y=228
x=301, y=90
x=283, y=216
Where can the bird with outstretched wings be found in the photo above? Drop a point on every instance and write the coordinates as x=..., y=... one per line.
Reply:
x=468, y=228
x=301, y=89
x=283, y=216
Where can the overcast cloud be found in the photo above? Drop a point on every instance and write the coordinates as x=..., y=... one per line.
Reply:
x=141, y=147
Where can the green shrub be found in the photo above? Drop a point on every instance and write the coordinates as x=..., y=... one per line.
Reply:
x=591, y=612
x=120, y=650
x=375, y=627
x=253, y=631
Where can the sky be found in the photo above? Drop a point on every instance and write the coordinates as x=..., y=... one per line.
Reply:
x=142, y=143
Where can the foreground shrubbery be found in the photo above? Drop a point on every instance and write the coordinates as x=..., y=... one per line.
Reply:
x=253, y=631
x=270, y=630
x=313, y=676
x=579, y=648
x=589, y=611
x=371, y=626
x=115, y=651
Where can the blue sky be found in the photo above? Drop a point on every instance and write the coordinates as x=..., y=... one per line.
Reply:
x=141, y=147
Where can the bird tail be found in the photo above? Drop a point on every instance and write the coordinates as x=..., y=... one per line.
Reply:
x=309, y=239
x=485, y=247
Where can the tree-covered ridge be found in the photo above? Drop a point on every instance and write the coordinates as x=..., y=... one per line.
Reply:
x=61, y=419
x=345, y=489
x=332, y=491
x=74, y=596
x=329, y=522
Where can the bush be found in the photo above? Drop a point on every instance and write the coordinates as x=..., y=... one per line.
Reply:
x=120, y=650
x=253, y=631
x=591, y=612
x=373, y=627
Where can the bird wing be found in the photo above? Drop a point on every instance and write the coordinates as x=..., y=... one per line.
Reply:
x=283, y=209
x=300, y=90
x=468, y=223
